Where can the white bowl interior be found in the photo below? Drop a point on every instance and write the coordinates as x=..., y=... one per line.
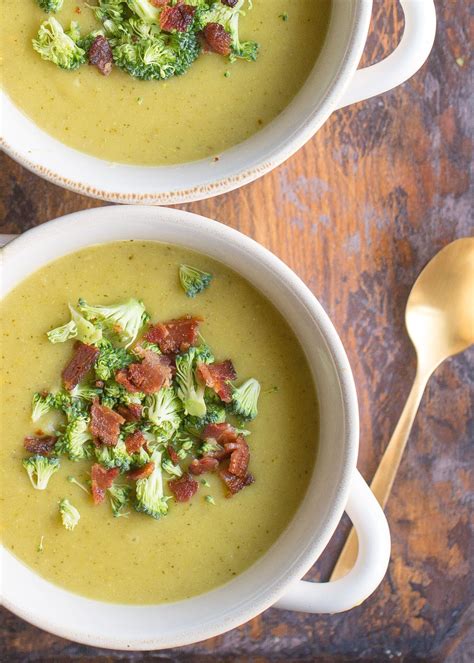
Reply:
x=152, y=627
x=35, y=149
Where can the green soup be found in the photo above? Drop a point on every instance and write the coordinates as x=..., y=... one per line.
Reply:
x=214, y=106
x=198, y=545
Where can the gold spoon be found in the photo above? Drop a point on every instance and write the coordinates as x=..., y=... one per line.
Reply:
x=440, y=321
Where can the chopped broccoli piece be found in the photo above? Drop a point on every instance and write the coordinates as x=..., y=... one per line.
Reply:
x=73, y=480
x=164, y=410
x=85, y=392
x=110, y=360
x=116, y=456
x=40, y=469
x=109, y=10
x=215, y=414
x=115, y=394
x=40, y=547
x=78, y=327
x=245, y=398
x=209, y=446
x=41, y=405
x=145, y=10
x=53, y=44
x=69, y=514
x=209, y=499
x=189, y=390
x=170, y=468
x=76, y=439
x=119, y=498
x=228, y=17
x=184, y=443
x=150, y=497
x=50, y=6
x=193, y=280
x=125, y=320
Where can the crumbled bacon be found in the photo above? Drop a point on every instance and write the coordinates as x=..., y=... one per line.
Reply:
x=172, y=454
x=101, y=479
x=141, y=472
x=176, y=335
x=229, y=3
x=235, y=484
x=239, y=457
x=179, y=17
x=42, y=445
x=134, y=442
x=205, y=464
x=184, y=488
x=217, y=39
x=100, y=54
x=82, y=361
x=130, y=412
x=153, y=373
x=217, y=376
x=219, y=433
x=105, y=424
x=159, y=3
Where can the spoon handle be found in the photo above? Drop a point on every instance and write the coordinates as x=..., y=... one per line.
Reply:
x=386, y=472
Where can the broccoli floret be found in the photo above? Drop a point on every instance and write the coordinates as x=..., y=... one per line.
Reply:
x=144, y=10
x=189, y=390
x=85, y=392
x=184, y=444
x=76, y=439
x=215, y=414
x=193, y=280
x=164, y=410
x=115, y=394
x=53, y=44
x=119, y=498
x=124, y=320
x=110, y=360
x=116, y=456
x=150, y=497
x=69, y=514
x=51, y=6
x=173, y=470
x=78, y=327
x=228, y=17
x=109, y=10
x=245, y=399
x=41, y=405
x=77, y=483
x=40, y=470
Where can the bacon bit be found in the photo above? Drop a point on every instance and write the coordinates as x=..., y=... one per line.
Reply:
x=202, y=465
x=173, y=455
x=42, y=446
x=105, y=424
x=217, y=39
x=100, y=54
x=141, y=472
x=150, y=376
x=239, y=457
x=176, y=335
x=77, y=10
x=134, y=442
x=100, y=384
x=217, y=376
x=177, y=18
x=101, y=479
x=159, y=3
x=82, y=361
x=220, y=433
x=235, y=484
x=131, y=412
x=229, y=3
x=184, y=488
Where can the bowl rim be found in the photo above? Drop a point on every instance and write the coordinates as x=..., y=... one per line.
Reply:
x=240, y=176
x=315, y=543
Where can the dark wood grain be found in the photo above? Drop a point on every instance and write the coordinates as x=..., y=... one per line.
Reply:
x=356, y=213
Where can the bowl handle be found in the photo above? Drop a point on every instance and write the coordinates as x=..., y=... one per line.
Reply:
x=372, y=561
x=406, y=59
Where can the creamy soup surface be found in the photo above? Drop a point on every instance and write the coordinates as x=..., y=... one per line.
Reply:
x=182, y=119
x=197, y=546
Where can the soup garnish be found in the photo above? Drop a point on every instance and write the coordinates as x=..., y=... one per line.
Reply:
x=143, y=408
x=148, y=39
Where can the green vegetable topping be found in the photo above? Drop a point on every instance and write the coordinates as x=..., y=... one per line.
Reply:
x=73, y=480
x=284, y=16
x=50, y=6
x=193, y=280
x=53, y=44
x=123, y=320
x=228, y=17
x=189, y=390
x=150, y=497
x=69, y=514
x=40, y=470
x=209, y=499
x=119, y=498
x=245, y=399
x=78, y=327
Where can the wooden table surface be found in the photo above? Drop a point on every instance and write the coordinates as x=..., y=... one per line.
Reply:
x=356, y=213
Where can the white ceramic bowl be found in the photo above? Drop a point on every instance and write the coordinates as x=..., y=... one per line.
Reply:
x=335, y=485
x=333, y=83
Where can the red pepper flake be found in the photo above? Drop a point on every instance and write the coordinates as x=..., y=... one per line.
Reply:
x=217, y=376
x=101, y=479
x=43, y=445
x=177, y=18
x=82, y=361
x=100, y=54
x=134, y=442
x=153, y=373
x=176, y=335
x=235, y=484
x=131, y=412
x=217, y=39
x=105, y=424
x=203, y=465
x=184, y=488
x=141, y=472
